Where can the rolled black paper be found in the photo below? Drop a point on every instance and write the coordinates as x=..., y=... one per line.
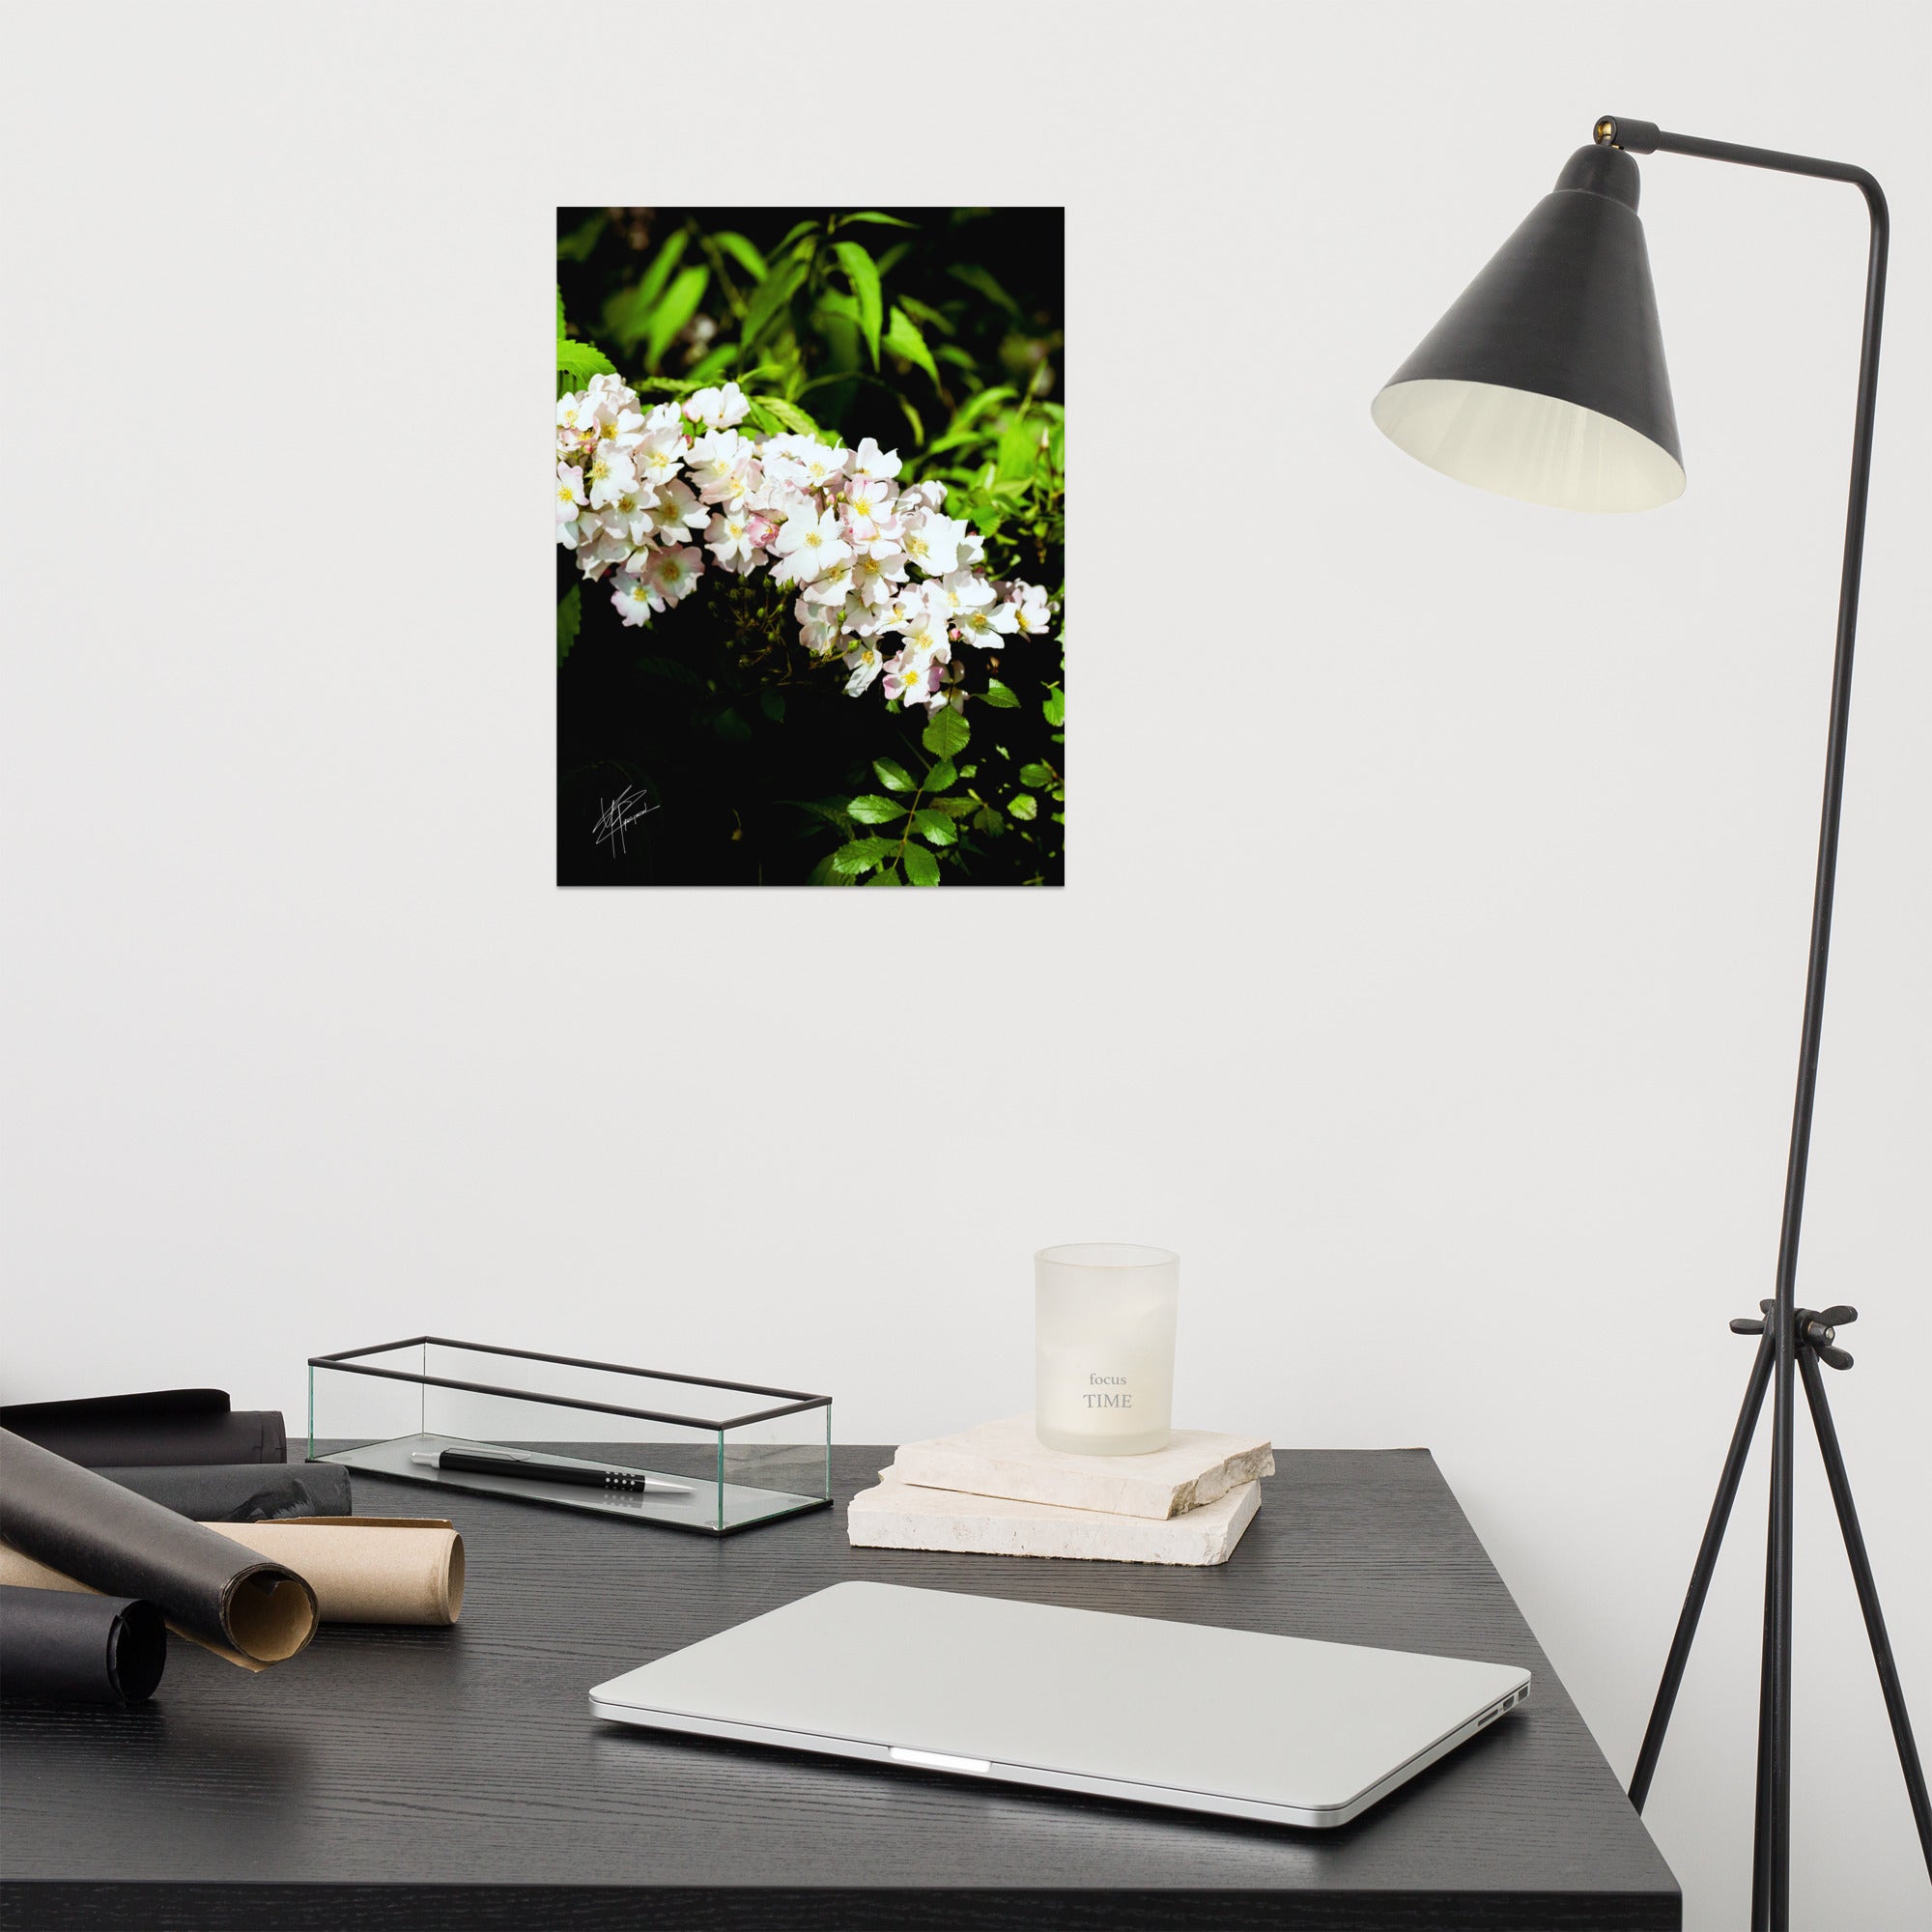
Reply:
x=80, y=1649
x=162, y=1426
x=242, y=1491
x=118, y=1543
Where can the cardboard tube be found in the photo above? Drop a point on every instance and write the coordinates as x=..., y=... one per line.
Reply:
x=88, y=1533
x=366, y=1569
x=75, y=1647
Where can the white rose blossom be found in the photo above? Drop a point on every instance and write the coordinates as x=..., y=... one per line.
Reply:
x=649, y=492
x=729, y=540
x=912, y=679
x=865, y=661
x=809, y=543
x=569, y=504
x=718, y=409
x=676, y=511
x=633, y=599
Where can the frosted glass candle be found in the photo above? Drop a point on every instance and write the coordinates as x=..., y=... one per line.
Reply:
x=1103, y=1347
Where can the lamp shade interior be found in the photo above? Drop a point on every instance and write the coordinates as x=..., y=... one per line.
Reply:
x=1546, y=379
x=1519, y=444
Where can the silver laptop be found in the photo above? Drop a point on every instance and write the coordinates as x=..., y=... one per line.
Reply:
x=1279, y=1728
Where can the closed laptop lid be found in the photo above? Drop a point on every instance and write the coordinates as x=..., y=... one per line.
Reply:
x=1279, y=1721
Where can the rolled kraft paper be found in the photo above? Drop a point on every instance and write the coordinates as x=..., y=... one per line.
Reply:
x=242, y=1492
x=160, y=1426
x=367, y=1570
x=79, y=1649
x=104, y=1538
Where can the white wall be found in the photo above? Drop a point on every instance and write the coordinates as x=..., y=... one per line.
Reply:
x=1431, y=965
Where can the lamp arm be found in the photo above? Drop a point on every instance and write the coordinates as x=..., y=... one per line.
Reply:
x=1646, y=137
x=1771, y=1905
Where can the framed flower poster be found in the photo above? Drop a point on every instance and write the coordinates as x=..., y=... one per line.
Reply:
x=811, y=514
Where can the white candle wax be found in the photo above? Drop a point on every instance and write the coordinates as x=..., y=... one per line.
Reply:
x=1103, y=1363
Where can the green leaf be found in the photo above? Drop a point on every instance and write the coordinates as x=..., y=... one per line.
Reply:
x=730, y=726
x=658, y=273
x=628, y=312
x=677, y=306
x=1019, y=445
x=790, y=415
x=974, y=407
x=792, y=234
x=1024, y=806
x=934, y=827
x=562, y=327
x=831, y=809
x=923, y=312
x=889, y=877
x=988, y=821
x=1036, y=774
x=1054, y=710
x=717, y=363
x=863, y=273
x=569, y=615
x=774, y=293
x=922, y=868
x=872, y=809
x=946, y=736
x=903, y=338
x=999, y=697
x=772, y=704
x=958, y=441
x=580, y=360
x=743, y=253
x=957, y=807
x=576, y=246
x=977, y=278
x=941, y=776
x=894, y=776
x=872, y=214
x=861, y=855
x=912, y=417
x=671, y=671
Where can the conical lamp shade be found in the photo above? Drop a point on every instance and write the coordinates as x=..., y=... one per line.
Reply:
x=1546, y=381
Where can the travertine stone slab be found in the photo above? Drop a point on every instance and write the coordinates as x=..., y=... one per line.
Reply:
x=901, y=1516
x=1007, y=1459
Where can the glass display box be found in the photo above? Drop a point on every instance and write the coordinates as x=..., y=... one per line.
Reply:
x=683, y=1452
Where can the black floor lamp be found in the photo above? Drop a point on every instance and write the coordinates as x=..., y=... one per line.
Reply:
x=1546, y=381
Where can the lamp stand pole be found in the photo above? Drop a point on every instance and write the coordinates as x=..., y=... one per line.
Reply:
x=1795, y=1340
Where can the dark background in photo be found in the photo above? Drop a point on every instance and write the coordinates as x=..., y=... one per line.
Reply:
x=734, y=747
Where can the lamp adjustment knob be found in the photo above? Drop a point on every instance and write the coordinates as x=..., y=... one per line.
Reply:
x=1619, y=131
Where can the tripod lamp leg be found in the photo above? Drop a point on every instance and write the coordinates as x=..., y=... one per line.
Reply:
x=1701, y=1573
x=1868, y=1588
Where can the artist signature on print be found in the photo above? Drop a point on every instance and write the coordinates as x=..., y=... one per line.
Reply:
x=617, y=817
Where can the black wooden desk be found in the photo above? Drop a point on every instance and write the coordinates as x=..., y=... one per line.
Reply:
x=415, y=1780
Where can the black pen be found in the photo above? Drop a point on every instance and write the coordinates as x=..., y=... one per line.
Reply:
x=531, y=1468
